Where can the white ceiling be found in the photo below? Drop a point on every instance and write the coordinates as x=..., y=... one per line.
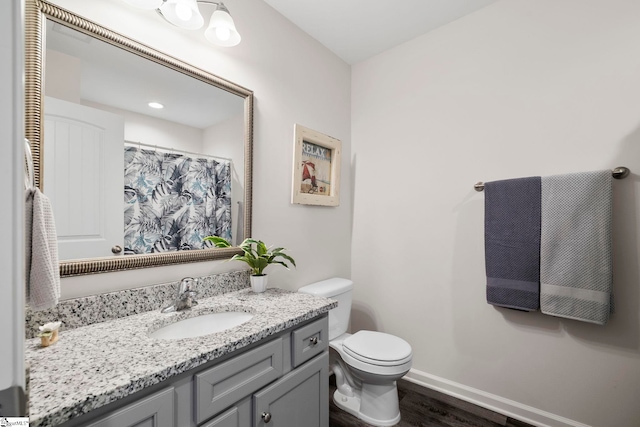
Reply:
x=356, y=30
x=117, y=78
x=353, y=29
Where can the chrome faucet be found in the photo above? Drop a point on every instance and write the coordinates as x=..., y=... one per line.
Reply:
x=185, y=298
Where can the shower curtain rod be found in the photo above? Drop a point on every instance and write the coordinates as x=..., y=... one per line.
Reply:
x=618, y=173
x=173, y=150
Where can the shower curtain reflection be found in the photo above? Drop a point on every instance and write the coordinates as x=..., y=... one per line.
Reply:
x=172, y=201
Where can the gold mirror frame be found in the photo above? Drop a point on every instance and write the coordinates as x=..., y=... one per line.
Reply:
x=36, y=13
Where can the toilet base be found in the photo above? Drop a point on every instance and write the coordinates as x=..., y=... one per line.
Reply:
x=352, y=405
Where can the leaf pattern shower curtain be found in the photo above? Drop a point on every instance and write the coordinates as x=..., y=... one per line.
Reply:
x=172, y=201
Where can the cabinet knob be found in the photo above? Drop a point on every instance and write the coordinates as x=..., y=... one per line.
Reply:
x=266, y=417
x=313, y=340
x=116, y=249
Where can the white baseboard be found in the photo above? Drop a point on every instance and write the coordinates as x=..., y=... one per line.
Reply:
x=490, y=401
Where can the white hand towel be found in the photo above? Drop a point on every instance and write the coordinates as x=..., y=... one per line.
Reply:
x=575, y=247
x=42, y=267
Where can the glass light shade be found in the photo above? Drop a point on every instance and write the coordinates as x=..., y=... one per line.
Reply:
x=221, y=30
x=182, y=13
x=145, y=4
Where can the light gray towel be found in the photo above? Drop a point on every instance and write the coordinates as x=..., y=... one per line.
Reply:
x=41, y=245
x=575, y=247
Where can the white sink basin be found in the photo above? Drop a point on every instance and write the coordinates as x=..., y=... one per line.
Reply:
x=201, y=325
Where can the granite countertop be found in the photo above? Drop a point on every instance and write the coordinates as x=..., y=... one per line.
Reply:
x=94, y=365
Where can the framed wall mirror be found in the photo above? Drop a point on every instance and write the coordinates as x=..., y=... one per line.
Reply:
x=133, y=186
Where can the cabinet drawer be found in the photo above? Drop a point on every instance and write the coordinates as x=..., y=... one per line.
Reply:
x=309, y=341
x=152, y=411
x=227, y=383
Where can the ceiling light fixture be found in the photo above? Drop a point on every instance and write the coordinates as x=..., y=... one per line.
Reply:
x=155, y=105
x=185, y=14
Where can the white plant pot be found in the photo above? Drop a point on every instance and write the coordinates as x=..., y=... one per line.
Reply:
x=259, y=283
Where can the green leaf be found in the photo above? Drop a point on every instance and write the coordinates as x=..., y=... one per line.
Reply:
x=287, y=257
x=241, y=258
x=245, y=246
x=260, y=265
x=218, y=241
x=248, y=242
x=261, y=248
x=281, y=263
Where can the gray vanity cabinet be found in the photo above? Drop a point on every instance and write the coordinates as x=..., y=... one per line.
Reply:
x=300, y=398
x=238, y=416
x=223, y=385
x=152, y=411
x=281, y=382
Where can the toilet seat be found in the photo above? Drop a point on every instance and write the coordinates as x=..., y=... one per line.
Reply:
x=377, y=353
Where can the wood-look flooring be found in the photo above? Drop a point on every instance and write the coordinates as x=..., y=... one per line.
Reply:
x=423, y=407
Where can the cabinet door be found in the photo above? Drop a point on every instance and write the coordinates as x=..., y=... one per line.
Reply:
x=300, y=398
x=221, y=386
x=238, y=416
x=152, y=411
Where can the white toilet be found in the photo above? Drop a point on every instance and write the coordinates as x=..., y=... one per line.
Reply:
x=367, y=363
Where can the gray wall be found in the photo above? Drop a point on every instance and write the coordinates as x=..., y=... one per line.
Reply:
x=295, y=80
x=516, y=89
x=11, y=215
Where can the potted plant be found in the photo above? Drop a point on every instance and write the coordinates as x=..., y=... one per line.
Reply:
x=257, y=256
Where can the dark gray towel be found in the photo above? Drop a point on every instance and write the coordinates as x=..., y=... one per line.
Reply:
x=512, y=242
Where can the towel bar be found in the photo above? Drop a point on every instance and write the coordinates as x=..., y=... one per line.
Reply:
x=618, y=173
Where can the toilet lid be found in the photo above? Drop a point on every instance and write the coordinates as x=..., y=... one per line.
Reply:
x=377, y=348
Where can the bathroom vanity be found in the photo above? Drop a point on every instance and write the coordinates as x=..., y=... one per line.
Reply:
x=269, y=371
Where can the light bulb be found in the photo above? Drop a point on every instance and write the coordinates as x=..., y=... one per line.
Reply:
x=183, y=11
x=223, y=33
x=221, y=30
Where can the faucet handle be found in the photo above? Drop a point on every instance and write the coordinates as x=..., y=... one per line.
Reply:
x=193, y=301
x=185, y=298
x=187, y=284
x=187, y=293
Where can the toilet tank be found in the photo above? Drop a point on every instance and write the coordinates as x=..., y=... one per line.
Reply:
x=338, y=289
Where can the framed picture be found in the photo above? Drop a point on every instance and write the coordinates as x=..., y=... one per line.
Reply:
x=316, y=168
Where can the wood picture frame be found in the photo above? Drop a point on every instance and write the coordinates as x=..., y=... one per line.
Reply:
x=316, y=168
